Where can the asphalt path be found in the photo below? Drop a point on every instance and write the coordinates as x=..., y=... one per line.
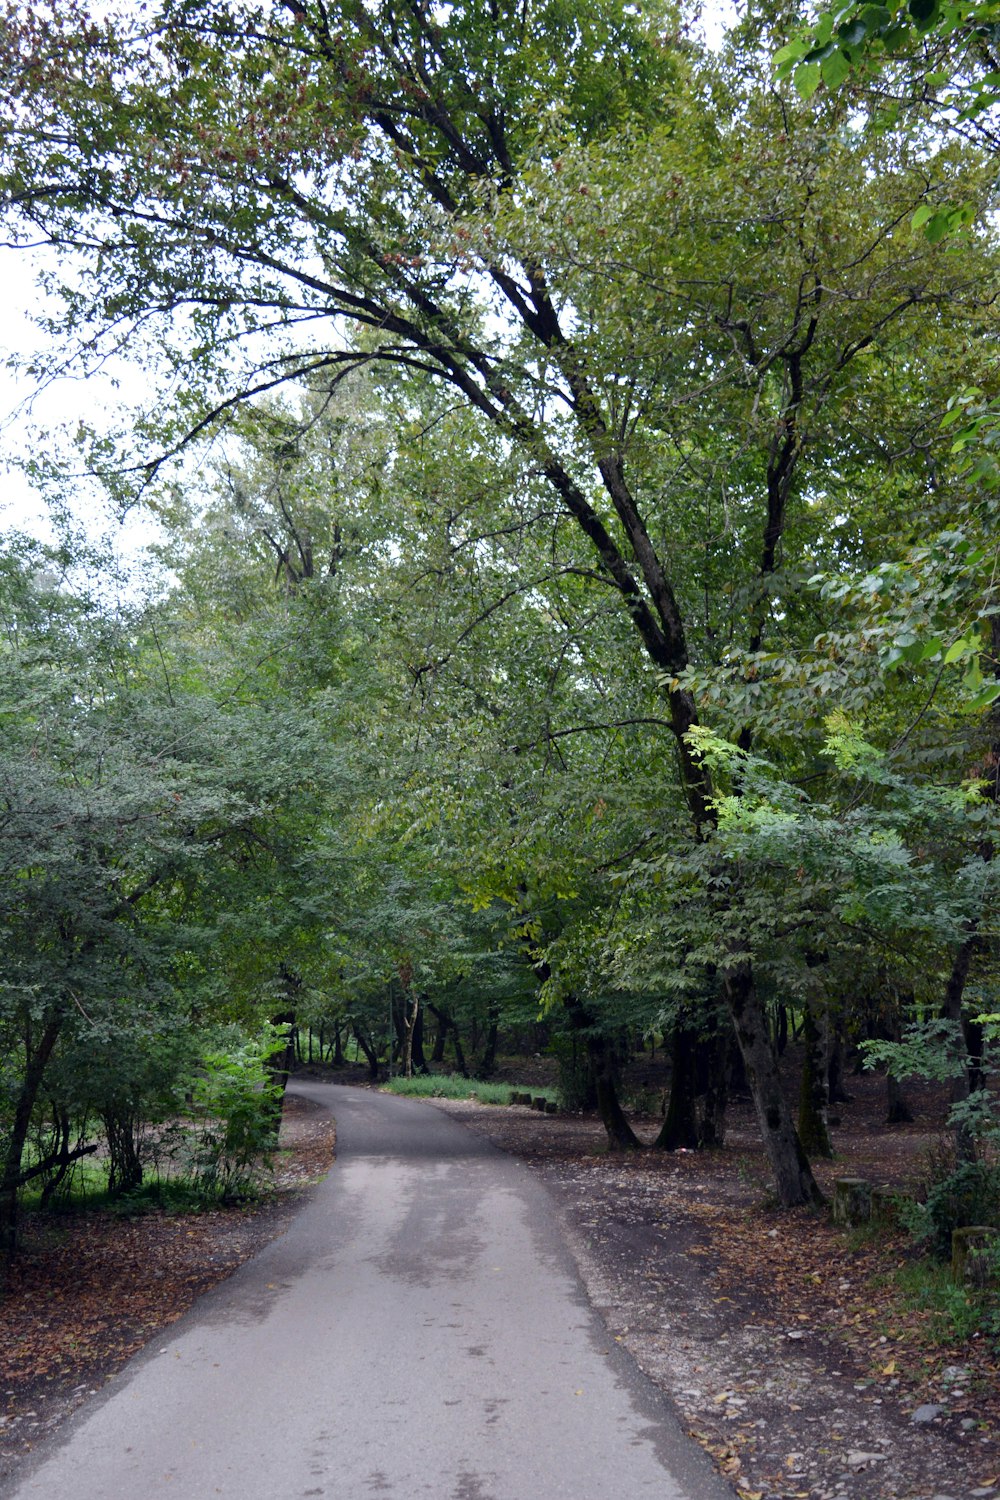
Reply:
x=420, y=1330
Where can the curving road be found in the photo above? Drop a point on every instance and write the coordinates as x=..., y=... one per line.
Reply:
x=419, y=1331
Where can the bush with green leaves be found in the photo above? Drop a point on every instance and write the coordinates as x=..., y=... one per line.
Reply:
x=231, y=1109
x=968, y=1194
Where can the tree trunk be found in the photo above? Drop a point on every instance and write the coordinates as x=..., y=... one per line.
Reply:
x=781, y=1029
x=814, y=1130
x=410, y=1025
x=963, y=1085
x=836, y=1092
x=680, y=1126
x=443, y=1020
x=488, y=1062
x=621, y=1136
x=456, y=1038
x=417, y=1058
x=739, y=1083
x=61, y=1160
x=36, y=1063
x=371, y=1056
x=793, y=1179
x=718, y=1050
x=125, y=1164
x=897, y=1111
x=281, y=1064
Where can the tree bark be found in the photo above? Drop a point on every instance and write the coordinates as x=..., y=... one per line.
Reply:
x=487, y=1065
x=281, y=1064
x=897, y=1111
x=36, y=1062
x=837, y=1093
x=964, y=1083
x=125, y=1170
x=718, y=1052
x=621, y=1136
x=371, y=1056
x=814, y=1095
x=793, y=1179
x=679, y=1130
x=409, y=1027
x=443, y=1020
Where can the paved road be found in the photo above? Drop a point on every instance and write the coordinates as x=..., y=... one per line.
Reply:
x=419, y=1331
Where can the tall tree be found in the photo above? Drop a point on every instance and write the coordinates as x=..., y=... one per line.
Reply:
x=415, y=179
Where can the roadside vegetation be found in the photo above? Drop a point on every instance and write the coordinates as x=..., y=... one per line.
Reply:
x=571, y=629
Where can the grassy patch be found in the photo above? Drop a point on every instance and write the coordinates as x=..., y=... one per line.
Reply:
x=944, y=1310
x=450, y=1086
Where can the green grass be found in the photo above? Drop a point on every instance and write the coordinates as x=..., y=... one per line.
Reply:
x=450, y=1086
x=955, y=1312
x=84, y=1184
x=446, y=1086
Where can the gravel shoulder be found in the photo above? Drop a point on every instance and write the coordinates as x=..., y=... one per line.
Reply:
x=764, y=1329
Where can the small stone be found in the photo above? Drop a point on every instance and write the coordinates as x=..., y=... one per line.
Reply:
x=861, y=1460
x=969, y=1424
x=984, y=1490
x=925, y=1414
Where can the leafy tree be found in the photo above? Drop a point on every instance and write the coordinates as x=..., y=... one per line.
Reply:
x=477, y=197
x=946, y=53
x=152, y=831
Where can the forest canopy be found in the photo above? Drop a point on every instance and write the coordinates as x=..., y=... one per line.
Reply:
x=576, y=461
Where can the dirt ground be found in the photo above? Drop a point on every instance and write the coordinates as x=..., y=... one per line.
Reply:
x=87, y=1291
x=780, y=1340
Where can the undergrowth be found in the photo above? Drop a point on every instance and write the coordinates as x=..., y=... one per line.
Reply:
x=947, y=1310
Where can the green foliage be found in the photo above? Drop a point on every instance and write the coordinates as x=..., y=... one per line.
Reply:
x=622, y=412
x=576, y=1088
x=952, y=1311
x=445, y=1086
x=969, y=1194
x=233, y=1106
x=927, y=1049
x=949, y=43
